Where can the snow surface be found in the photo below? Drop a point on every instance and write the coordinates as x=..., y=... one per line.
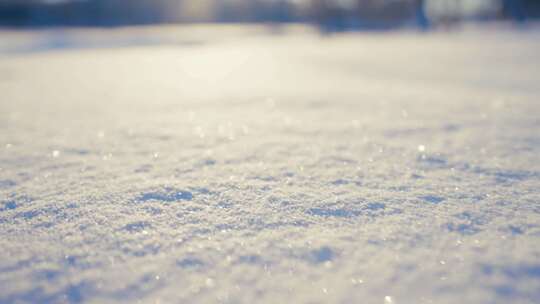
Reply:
x=237, y=165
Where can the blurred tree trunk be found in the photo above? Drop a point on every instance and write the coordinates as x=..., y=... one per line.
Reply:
x=421, y=18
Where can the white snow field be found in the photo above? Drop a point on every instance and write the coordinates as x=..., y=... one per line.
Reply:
x=234, y=164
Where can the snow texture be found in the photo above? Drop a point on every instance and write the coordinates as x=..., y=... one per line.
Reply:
x=236, y=165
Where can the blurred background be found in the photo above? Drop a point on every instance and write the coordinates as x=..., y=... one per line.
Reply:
x=328, y=15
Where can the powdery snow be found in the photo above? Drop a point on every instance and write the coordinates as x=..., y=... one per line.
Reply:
x=233, y=165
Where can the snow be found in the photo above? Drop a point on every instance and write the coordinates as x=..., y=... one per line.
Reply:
x=236, y=165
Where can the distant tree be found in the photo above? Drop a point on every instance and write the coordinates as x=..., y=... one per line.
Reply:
x=514, y=9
